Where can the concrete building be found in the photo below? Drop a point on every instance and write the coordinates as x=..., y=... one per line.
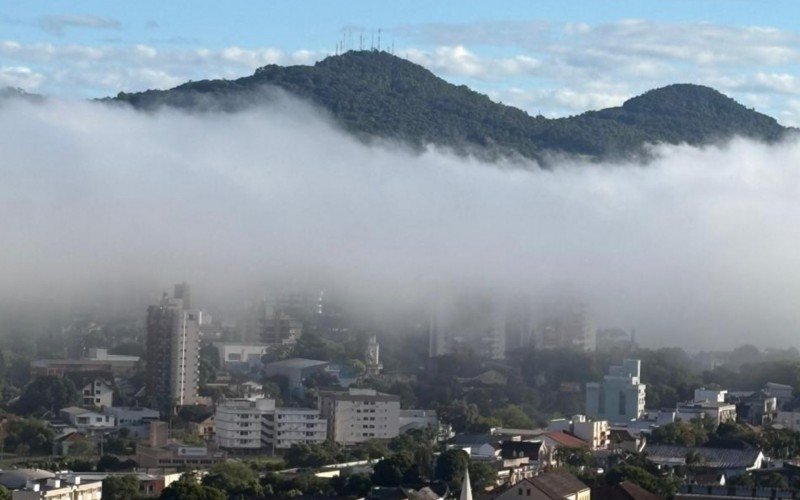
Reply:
x=288, y=426
x=373, y=357
x=235, y=356
x=360, y=415
x=703, y=394
x=715, y=411
x=160, y=452
x=172, y=354
x=133, y=418
x=621, y=395
x=98, y=393
x=243, y=426
x=55, y=488
x=237, y=423
x=295, y=370
x=96, y=361
x=564, y=324
x=781, y=392
x=474, y=320
x=597, y=433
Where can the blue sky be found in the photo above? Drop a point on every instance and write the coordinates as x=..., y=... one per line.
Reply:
x=550, y=57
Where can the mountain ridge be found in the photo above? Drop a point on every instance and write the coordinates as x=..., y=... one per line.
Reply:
x=375, y=94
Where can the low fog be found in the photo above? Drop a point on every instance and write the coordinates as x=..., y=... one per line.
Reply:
x=698, y=248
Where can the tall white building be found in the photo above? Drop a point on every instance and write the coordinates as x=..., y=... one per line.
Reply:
x=620, y=397
x=255, y=426
x=360, y=415
x=172, y=344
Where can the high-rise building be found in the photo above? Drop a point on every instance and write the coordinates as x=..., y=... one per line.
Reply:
x=184, y=294
x=620, y=397
x=475, y=321
x=373, y=356
x=564, y=323
x=172, y=354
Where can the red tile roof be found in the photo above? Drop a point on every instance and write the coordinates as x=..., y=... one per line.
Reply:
x=567, y=440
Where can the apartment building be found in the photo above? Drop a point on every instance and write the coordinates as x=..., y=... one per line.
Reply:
x=237, y=423
x=359, y=415
x=243, y=426
x=620, y=396
x=287, y=426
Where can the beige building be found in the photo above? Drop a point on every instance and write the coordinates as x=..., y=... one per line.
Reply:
x=597, y=433
x=160, y=452
x=359, y=415
x=56, y=489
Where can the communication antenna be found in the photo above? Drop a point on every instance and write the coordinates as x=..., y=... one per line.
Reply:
x=361, y=41
x=379, y=40
x=372, y=41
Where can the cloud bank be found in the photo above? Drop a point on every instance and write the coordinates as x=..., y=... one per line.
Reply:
x=696, y=249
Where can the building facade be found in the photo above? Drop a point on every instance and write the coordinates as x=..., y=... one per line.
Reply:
x=172, y=354
x=237, y=423
x=288, y=426
x=360, y=415
x=620, y=397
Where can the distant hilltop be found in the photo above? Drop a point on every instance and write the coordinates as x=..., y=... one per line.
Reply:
x=378, y=95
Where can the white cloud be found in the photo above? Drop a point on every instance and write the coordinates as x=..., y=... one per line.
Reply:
x=20, y=77
x=689, y=250
x=56, y=24
x=139, y=67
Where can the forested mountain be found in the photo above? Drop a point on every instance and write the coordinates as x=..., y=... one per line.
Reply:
x=376, y=94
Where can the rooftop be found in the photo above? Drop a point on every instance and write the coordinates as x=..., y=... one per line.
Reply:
x=296, y=363
x=714, y=458
x=558, y=484
x=567, y=440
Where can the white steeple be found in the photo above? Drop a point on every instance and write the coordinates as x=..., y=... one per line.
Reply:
x=466, y=488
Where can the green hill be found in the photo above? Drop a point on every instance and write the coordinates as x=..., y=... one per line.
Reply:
x=376, y=94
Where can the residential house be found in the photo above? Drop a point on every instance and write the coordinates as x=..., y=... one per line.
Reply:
x=98, y=393
x=87, y=420
x=781, y=392
x=477, y=446
x=757, y=409
x=135, y=419
x=549, y=485
x=730, y=461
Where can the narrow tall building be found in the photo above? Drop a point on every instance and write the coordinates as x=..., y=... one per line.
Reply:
x=620, y=397
x=172, y=354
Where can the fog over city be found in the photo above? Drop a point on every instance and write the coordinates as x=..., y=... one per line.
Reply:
x=698, y=245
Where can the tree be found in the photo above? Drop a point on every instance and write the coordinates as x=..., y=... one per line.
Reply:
x=308, y=455
x=28, y=435
x=5, y=493
x=450, y=466
x=120, y=488
x=482, y=475
x=388, y=472
x=234, y=478
x=512, y=416
x=46, y=394
x=187, y=488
